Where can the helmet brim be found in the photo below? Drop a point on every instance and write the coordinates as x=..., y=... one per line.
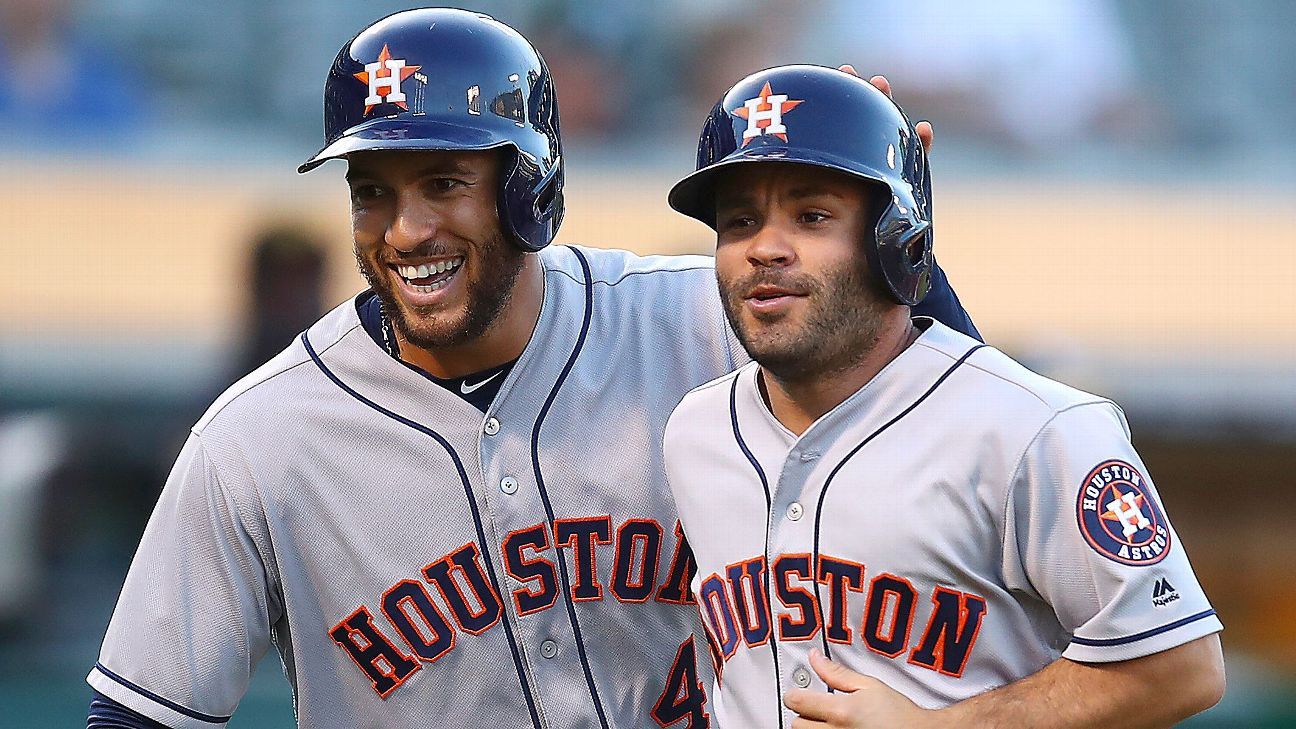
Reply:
x=694, y=195
x=403, y=134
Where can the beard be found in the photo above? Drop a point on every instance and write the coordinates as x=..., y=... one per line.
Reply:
x=495, y=268
x=841, y=320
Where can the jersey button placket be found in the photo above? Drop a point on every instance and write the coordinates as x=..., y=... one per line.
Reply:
x=549, y=649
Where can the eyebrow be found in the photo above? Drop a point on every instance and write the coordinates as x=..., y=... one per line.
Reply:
x=800, y=192
x=797, y=193
x=454, y=167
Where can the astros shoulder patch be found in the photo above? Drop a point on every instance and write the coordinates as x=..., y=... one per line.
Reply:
x=1119, y=516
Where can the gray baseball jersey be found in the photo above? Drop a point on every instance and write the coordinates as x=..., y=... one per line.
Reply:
x=958, y=523
x=418, y=563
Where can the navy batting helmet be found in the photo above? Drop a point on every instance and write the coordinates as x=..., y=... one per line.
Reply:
x=824, y=117
x=447, y=79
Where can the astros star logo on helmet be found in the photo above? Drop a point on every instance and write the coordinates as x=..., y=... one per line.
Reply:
x=385, y=73
x=764, y=114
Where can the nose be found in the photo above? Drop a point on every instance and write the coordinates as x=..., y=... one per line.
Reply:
x=415, y=224
x=770, y=247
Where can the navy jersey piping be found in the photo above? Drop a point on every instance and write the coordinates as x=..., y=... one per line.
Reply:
x=625, y=275
x=472, y=504
x=728, y=345
x=159, y=700
x=814, y=558
x=211, y=415
x=769, y=517
x=1105, y=642
x=544, y=493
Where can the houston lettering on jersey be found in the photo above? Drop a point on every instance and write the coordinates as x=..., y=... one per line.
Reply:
x=735, y=611
x=454, y=596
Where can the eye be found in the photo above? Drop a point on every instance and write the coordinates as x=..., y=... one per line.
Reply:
x=364, y=193
x=735, y=222
x=445, y=184
x=811, y=217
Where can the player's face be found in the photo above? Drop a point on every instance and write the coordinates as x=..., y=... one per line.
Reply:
x=791, y=266
x=428, y=241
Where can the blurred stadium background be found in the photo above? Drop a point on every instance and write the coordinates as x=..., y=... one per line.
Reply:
x=1114, y=200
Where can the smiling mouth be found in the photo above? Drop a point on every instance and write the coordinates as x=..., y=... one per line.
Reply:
x=428, y=277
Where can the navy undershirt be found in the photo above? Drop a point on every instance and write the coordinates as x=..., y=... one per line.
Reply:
x=477, y=389
x=943, y=305
x=105, y=713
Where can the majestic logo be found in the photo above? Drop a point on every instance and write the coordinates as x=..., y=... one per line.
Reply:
x=386, y=73
x=764, y=114
x=1119, y=516
x=1164, y=593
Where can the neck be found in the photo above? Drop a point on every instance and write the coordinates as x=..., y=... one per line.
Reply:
x=502, y=342
x=798, y=402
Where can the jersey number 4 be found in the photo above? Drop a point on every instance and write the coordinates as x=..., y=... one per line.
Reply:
x=684, y=697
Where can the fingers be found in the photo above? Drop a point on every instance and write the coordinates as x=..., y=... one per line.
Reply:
x=925, y=134
x=882, y=84
x=879, y=81
x=924, y=128
x=835, y=674
x=812, y=706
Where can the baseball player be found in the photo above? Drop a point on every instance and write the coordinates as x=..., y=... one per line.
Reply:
x=444, y=504
x=970, y=543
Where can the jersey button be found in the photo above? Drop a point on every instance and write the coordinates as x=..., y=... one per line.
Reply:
x=809, y=456
x=492, y=426
x=794, y=511
x=801, y=677
x=509, y=485
x=548, y=649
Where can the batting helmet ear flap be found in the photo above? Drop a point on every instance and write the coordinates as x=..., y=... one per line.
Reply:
x=531, y=204
x=904, y=230
x=548, y=194
x=902, y=254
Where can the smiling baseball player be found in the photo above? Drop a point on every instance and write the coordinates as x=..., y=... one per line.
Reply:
x=444, y=504
x=971, y=543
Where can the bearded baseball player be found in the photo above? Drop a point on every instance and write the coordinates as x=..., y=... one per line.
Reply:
x=969, y=543
x=444, y=504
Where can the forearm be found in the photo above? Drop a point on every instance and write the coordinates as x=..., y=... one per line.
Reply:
x=1153, y=691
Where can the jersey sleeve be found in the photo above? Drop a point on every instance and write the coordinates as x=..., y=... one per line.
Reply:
x=1086, y=531
x=194, y=615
